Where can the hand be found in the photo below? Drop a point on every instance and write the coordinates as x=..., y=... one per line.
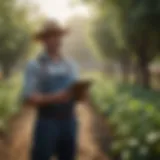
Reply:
x=86, y=99
x=63, y=96
x=83, y=96
x=37, y=98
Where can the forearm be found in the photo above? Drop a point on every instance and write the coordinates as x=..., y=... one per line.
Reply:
x=40, y=99
x=44, y=99
x=49, y=98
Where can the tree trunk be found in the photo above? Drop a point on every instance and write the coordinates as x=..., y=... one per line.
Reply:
x=125, y=73
x=143, y=61
x=144, y=72
x=125, y=68
x=6, y=71
x=137, y=74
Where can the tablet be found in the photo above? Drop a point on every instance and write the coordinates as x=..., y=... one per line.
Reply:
x=80, y=88
x=81, y=85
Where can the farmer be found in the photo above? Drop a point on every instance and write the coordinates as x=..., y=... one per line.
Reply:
x=46, y=86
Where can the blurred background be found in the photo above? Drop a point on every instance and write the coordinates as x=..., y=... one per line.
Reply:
x=117, y=44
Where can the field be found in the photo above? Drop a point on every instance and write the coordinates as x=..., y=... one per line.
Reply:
x=17, y=125
x=133, y=116
x=123, y=121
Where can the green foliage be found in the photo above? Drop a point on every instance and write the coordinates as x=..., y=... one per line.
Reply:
x=127, y=28
x=17, y=23
x=16, y=27
x=134, y=116
x=9, y=92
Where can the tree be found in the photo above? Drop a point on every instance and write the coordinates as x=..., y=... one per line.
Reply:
x=143, y=35
x=135, y=26
x=109, y=47
x=15, y=33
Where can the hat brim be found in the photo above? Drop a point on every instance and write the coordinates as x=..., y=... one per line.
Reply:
x=40, y=36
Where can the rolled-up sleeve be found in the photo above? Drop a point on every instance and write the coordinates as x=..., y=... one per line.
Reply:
x=30, y=81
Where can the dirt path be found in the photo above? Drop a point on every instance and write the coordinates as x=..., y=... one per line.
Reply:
x=19, y=140
x=88, y=148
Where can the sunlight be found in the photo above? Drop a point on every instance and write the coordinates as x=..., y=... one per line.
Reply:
x=60, y=9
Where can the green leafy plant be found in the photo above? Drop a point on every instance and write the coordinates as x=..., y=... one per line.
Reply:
x=8, y=101
x=133, y=113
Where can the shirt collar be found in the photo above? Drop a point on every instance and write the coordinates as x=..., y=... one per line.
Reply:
x=45, y=56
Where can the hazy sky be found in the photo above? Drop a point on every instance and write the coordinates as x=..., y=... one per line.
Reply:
x=60, y=9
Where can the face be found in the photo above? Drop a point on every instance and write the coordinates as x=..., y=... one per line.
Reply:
x=53, y=42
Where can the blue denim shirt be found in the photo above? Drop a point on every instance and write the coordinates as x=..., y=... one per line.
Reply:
x=51, y=78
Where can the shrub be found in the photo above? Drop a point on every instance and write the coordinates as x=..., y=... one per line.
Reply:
x=134, y=116
x=8, y=101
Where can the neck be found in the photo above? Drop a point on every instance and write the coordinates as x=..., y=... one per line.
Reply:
x=54, y=54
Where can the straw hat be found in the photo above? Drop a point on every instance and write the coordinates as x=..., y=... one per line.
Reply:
x=50, y=27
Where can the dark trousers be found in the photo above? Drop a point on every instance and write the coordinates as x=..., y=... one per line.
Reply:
x=54, y=137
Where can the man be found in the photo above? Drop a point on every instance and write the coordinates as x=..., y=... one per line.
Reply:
x=46, y=86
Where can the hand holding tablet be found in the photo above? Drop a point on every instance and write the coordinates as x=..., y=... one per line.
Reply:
x=80, y=89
